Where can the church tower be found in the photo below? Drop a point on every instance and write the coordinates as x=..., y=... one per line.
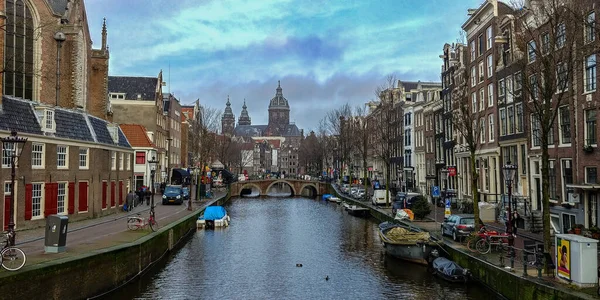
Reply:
x=279, y=113
x=228, y=120
x=244, y=117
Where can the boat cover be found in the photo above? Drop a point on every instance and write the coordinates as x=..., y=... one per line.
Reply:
x=213, y=213
x=327, y=196
x=447, y=266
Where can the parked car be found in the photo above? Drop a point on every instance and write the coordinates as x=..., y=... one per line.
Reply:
x=360, y=194
x=173, y=194
x=353, y=190
x=345, y=188
x=379, y=197
x=406, y=200
x=458, y=226
x=186, y=193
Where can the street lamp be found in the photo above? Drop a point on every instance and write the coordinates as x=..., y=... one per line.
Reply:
x=152, y=164
x=445, y=173
x=169, y=161
x=59, y=37
x=12, y=150
x=509, y=174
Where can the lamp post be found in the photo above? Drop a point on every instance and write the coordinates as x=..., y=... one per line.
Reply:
x=152, y=164
x=59, y=37
x=509, y=174
x=444, y=176
x=169, y=161
x=11, y=149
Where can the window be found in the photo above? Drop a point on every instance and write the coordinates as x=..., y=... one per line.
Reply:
x=545, y=43
x=83, y=158
x=518, y=83
x=113, y=160
x=590, y=127
x=474, y=102
x=511, y=119
x=552, y=181
x=591, y=175
x=481, y=99
x=523, y=160
x=61, y=207
x=8, y=151
x=128, y=161
x=519, y=118
x=502, y=121
x=490, y=94
x=509, y=89
x=481, y=44
x=565, y=125
x=531, y=51
x=561, y=35
x=490, y=66
x=472, y=50
x=535, y=132
x=37, y=156
x=562, y=79
x=551, y=136
x=49, y=123
x=140, y=158
x=533, y=83
x=117, y=96
x=121, y=161
x=590, y=73
x=491, y=127
x=36, y=200
x=481, y=71
x=590, y=27
x=18, y=50
x=490, y=37
x=501, y=88
x=62, y=154
x=568, y=222
x=482, y=130
x=473, y=76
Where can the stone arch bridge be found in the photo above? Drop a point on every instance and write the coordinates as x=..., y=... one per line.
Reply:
x=298, y=187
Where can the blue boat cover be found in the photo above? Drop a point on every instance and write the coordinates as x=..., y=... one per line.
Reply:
x=327, y=196
x=212, y=213
x=447, y=267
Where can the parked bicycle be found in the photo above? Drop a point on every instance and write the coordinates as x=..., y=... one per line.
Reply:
x=12, y=257
x=483, y=241
x=137, y=222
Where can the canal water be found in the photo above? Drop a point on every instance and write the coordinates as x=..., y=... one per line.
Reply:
x=259, y=256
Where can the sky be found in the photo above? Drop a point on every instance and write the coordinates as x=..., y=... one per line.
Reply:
x=325, y=52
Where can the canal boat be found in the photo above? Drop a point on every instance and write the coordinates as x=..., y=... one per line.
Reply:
x=358, y=211
x=213, y=216
x=326, y=196
x=449, y=270
x=407, y=242
x=334, y=199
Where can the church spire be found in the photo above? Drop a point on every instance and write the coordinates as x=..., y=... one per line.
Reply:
x=228, y=119
x=104, y=34
x=244, y=117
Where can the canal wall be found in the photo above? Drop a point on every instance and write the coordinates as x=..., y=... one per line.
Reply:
x=100, y=271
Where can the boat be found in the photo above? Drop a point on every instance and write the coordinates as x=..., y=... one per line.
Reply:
x=346, y=205
x=449, y=270
x=358, y=211
x=407, y=242
x=213, y=216
x=334, y=199
x=326, y=196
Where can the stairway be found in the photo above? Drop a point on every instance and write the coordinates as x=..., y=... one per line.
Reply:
x=534, y=222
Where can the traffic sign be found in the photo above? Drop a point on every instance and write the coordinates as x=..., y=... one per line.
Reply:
x=436, y=191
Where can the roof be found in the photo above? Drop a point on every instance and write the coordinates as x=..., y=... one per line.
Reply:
x=59, y=7
x=136, y=134
x=133, y=86
x=249, y=130
x=18, y=115
x=72, y=125
x=291, y=130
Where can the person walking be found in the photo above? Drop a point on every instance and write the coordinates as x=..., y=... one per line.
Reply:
x=129, y=200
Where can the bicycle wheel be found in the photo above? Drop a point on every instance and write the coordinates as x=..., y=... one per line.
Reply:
x=472, y=241
x=483, y=246
x=13, y=258
x=153, y=224
x=133, y=223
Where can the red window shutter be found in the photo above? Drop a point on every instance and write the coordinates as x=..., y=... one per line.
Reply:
x=104, y=185
x=71, y=200
x=48, y=193
x=120, y=192
x=113, y=192
x=55, y=198
x=6, y=211
x=28, y=201
x=83, y=196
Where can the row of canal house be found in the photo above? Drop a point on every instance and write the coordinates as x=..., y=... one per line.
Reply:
x=492, y=63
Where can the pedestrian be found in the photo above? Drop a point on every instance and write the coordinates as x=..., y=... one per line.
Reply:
x=514, y=220
x=147, y=196
x=129, y=200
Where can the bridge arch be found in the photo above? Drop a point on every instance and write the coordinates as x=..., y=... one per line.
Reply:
x=291, y=184
x=250, y=185
x=314, y=187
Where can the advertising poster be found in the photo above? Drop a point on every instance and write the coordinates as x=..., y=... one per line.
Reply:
x=563, y=249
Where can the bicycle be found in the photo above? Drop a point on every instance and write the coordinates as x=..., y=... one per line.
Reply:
x=12, y=257
x=137, y=222
x=500, y=242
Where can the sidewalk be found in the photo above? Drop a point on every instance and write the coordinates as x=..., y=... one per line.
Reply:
x=107, y=231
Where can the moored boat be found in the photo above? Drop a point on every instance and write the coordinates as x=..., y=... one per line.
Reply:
x=449, y=270
x=213, y=216
x=334, y=199
x=358, y=211
x=406, y=242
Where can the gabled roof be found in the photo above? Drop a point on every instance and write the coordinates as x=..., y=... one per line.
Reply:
x=133, y=86
x=249, y=130
x=18, y=115
x=136, y=134
x=72, y=125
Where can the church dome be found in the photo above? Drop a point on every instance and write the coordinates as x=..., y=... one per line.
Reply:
x=228, y=112
x=279, y=101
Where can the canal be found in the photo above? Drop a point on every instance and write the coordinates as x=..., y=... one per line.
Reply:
x=256, y=257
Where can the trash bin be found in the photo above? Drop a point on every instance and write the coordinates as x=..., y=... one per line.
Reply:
x=56, y=233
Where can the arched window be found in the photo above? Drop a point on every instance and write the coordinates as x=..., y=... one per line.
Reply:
x=18, y=50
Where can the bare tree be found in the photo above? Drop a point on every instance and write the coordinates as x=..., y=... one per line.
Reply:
x=203, y=133
x=240, y=155
x=549, y=33
x=334, y=123
x=361, y=139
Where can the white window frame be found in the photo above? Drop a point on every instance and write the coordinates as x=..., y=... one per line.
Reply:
x=84, y=156
x=482, y=130
x=121, y=161
x=561, y=124
x=531, y=54
x=65, y=198
x=37, y=207
x=7, y=159
x=64, y=160
x=535, y=143
x=509, y=89
x=490, y=37
x=41, y=159
x=473, y=52
x=481, y=99
x=490, y=95
x=501, y=88
x=474, y=102
x=560, y=36
x=490, y=66
x=590, y=86
x=128, y=161
x=481, y=72
x=491, y=128
x=502, y=112
x=473, y=76
x=589, y=30
x=113, y=160
x=48, y=121
x=519, y=118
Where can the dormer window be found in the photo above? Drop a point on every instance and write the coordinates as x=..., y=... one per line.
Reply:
x=48, y=122
x=114, y=132
x=117, y=96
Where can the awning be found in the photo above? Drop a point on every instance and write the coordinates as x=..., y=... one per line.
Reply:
x=217, y=165
x=584, y=186
x=180, y=173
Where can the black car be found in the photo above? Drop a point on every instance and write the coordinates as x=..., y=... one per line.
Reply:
x=173, y=194
x=186, y=193
x=458, y=226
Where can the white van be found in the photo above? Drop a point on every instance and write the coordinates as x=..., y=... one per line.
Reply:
x=379, y=197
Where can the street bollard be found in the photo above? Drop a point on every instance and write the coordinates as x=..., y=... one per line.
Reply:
x=512, y=257
x=524, y=263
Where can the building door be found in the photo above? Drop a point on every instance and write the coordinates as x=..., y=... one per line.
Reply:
x=538, y=194
x=139, y=182
x=568, y=222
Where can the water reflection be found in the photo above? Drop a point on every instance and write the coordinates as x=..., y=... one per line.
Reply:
x=256, y=256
